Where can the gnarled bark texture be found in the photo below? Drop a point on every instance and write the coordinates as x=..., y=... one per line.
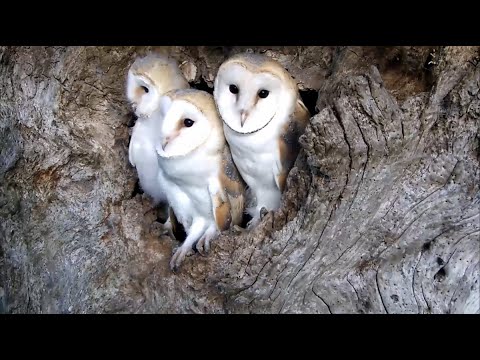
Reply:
x=381, y=212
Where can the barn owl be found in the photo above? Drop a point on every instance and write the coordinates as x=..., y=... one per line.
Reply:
x=263, y=117
x=148, y=79
x=205, y=189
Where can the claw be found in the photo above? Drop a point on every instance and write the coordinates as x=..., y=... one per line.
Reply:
x=178, y=258
x=263, y=212
x=196, y=247
x=167, y=229
x=253, y=223
x=203, y=246
x=169, y=232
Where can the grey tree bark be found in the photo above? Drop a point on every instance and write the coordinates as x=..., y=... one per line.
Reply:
x=381, y=212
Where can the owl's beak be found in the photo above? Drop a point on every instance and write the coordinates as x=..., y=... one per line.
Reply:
x=168, y=139
x=243, y=116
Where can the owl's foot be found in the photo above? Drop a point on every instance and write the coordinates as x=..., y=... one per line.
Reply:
x=253, y=223
x=159, y=230
x=263, y=212
x=179, y=256
x=257, y=219
x=167, y=229
x=203, y=245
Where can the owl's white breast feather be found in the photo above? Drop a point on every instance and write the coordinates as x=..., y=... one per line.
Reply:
x=255, y=156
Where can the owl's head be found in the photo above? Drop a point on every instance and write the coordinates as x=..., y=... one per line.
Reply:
x=189, y=120
x=149, y=78
x=251, y=89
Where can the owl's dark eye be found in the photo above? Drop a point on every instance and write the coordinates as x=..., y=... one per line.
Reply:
x=188, y=122
x=233, y=89
x=263, y=93
x=144, y=88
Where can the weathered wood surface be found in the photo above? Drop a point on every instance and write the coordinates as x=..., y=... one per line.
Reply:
x=381, y=214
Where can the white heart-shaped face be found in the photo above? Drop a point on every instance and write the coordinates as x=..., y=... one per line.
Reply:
x=184, y=127
x=142, y=94
x=247, y=101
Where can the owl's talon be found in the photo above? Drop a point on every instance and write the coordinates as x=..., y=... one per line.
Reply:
x=203, y=246
x=169, y=233
x=263, y=213
x=167, y=229
x=178, y=257
x=253, y=223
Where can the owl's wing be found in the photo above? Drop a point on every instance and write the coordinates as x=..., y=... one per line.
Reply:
x=288, y=144
x=234, y=186
x=133, y=146
x=141, y=147
x=131, y=157
x=227, y=193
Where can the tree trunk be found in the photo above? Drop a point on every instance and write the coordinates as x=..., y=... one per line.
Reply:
x=381, y=212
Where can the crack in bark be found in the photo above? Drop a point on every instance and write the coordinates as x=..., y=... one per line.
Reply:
x=336, y=114
x=424, y=298
x=96, y=88
x=251, y=255
x=314, y=250
x=316, y=247
x=469, y=218
x=382, y=126
x=277, y=280
x=429, y=109
x=343, y=253
x=379, y=292
x=456, y=288
x=443, y=232
x=390, y=207
x=433, y=192
x=463, y=237
x=413, y=281
x=403, y=232
x=356, y=293
x=364, y=166
x=253, y=283
x=318, y=296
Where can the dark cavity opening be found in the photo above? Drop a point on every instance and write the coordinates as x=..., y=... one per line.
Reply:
x=428, y=66
x=202, y=85
x=137, y=190
x=309, y=98
x=162, y=217
x=440, y=275
x=429, y=62
x=180, y=233
x=245, y=219
x=132, y=119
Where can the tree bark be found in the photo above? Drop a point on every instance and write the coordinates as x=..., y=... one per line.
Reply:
x=381, y=212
